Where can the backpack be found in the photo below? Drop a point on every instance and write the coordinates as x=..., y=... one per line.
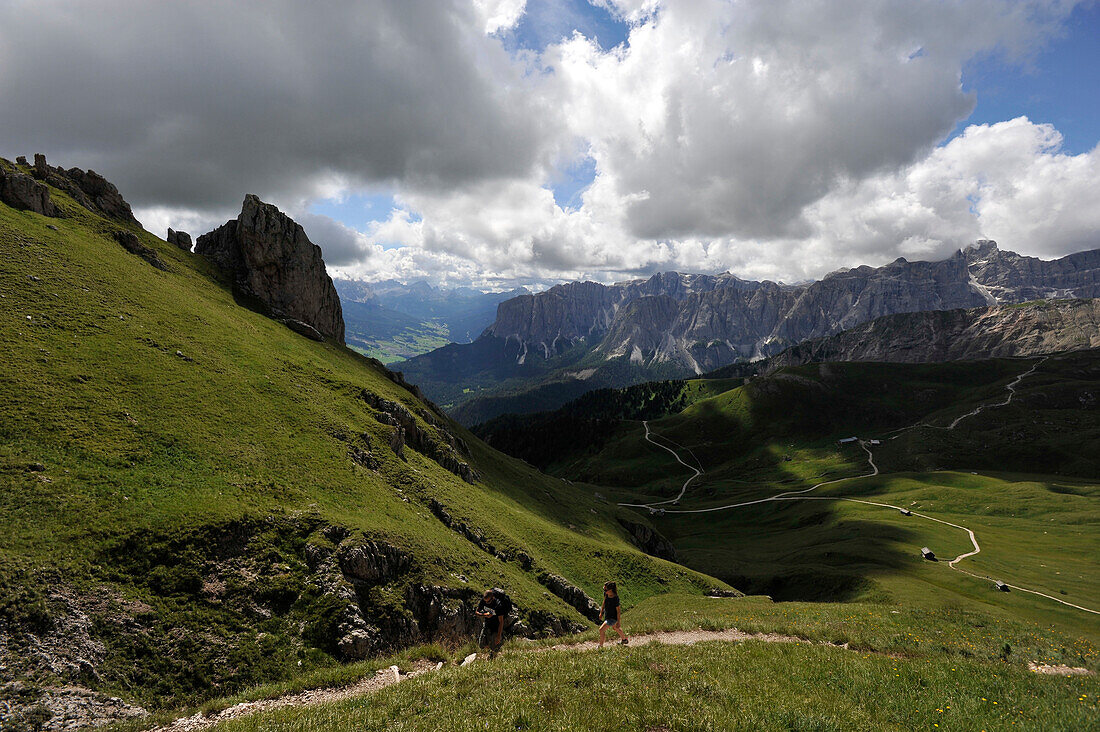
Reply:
x=504, y=603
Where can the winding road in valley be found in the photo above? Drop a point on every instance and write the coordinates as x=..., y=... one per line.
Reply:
x=696, y=472
x=864, y=444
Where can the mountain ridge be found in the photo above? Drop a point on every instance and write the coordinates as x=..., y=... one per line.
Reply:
x=699, y=323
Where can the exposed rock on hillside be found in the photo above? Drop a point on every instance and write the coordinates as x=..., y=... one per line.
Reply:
x=585, y=310
x=1007, y=277
x=88, y=188
x=977, y=333
x=573, y=595
x=23, y=192
x=180, y=238
x=270, y=258
x=435, y=442
x=132, y=244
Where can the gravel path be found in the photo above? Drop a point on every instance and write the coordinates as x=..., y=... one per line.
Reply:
x=688, y=637
x=385, y=677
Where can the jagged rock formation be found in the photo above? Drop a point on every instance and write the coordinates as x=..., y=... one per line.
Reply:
x=270, y=258
x=550, y=320
x=572, y=594
x=88, y=188
x=708, y=330
x=180, y=238
x=1000, y=331
x=23, y=192
x=705, y=322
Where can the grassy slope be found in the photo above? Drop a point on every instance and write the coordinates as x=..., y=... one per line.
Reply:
x=929, y=646
x=139, y=443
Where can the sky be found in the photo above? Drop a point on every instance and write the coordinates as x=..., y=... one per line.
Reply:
x=501, y=142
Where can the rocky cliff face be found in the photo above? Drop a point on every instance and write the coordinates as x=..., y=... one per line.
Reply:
x=1008, y=277
x=548, y=348
x=24, y=187
x=180, y=238
x=270, y=258
x=574, y=311
x=703, y=323
x=951, y=335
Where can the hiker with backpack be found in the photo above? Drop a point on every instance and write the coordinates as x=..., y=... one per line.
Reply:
x=494, y=608
x=611, y=614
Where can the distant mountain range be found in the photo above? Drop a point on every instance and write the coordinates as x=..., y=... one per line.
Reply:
x=1026, y=329
x=547, y=348
x=393, y=321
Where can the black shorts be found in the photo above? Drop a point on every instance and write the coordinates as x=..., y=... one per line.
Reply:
x=488, y=637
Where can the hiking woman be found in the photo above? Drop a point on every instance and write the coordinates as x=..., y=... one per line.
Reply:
x=611, y=613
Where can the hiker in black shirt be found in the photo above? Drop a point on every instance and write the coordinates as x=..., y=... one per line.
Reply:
x=493, y=628
x=611, y=613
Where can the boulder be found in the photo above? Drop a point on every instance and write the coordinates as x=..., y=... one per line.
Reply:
x=180, y=238
x=303, y=329
x=23, y=192
x=269, y=257
x=21, y=160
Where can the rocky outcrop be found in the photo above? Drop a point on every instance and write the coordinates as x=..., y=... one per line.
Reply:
x=994, y=332
x=1007, y=277
x=550, y=320
x=23, y=192
x=470, y=533
x=270, y=258
x=373, y=562
x=180, y=238
x=571, y=594
x=27, y=707
x=649, y=540
x=434, y=441
x=88, y=188
x=132, y=244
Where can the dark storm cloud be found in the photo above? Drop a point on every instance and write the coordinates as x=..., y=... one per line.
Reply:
x=190, y=104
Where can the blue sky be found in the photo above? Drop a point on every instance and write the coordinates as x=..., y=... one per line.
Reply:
x=1061, y=86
